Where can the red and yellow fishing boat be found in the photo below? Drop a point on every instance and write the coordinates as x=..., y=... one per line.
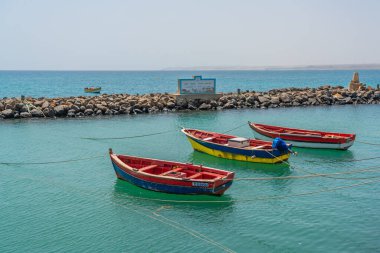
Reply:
x=237, y=148
x=171, y=177
x=92, y=89
x=304, y=138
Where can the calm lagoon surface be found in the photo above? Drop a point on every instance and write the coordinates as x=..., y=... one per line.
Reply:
x=80, y=206
x=72, y=83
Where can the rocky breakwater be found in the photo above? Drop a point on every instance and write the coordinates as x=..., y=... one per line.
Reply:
x=116, y=104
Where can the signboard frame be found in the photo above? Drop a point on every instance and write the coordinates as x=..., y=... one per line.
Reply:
x=194, y=79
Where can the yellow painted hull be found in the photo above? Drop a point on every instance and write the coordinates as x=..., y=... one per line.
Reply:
x=237, y=157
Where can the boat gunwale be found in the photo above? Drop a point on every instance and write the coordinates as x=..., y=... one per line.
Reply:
x=222, y=145
x=337, y=136
x=119, y=162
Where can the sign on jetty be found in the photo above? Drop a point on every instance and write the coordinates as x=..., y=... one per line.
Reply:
x=196, y=88
x=197, y=85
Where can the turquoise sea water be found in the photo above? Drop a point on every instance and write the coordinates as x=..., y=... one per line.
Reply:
x=82, y=207
x=71, y=83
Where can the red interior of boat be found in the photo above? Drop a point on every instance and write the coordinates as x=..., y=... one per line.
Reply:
x=296, y=131
x=178, y=170
x=223, y=138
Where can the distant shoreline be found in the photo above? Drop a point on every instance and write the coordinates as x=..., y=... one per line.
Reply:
x=374, y=66
x=353, y=67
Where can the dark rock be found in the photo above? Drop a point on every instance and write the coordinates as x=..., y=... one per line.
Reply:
x=191, y=106
x=37, y=113
x=25, y=115
x=75, y=108
x=223, y=99
x=2, y=107
x=88, y=112
x=71, y=113
x=229, y=106
x=24, y=108
x=263, y=99
x=8, y=113
x=275, y=100
x=251, y=99
x=348, y=100
x=9, y=106
x=16, y=116
x=204, y=106
x=45, y=105
x=60, y=110
x=101, y=107
x=284, y=97
x=19, y=106
x=49, y=112
x=170, y=105
x=312, y=101
x=213, y=103
x=38, y=103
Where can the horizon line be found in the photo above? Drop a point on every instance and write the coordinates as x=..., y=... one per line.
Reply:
x=364, y=66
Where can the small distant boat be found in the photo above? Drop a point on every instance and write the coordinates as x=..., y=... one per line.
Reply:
x=304, y=138
x=92, y=89
x=171, y=177
x=236, y=148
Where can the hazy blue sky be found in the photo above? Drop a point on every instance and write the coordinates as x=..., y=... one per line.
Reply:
x=142, y=34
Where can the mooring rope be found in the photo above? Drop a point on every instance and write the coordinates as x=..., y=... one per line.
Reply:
x=326, y=176
x=126, y=137
x=258, y=198
x=134, y=207
x=349, y=160
x=51, y=162
x=235, y=128
x=368, y=169
x=194, y=233
x=369, y=143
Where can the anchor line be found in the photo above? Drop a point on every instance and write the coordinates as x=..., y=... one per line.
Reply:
x=126, y=137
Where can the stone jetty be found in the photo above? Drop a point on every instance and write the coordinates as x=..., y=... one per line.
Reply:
x=116, y=104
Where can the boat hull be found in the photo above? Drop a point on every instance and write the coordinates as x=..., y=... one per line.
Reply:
x=256, y=156
x=305, y=144
x=185, y=187
x=93, y=90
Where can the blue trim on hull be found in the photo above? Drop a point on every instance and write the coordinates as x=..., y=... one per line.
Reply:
x=256, y=153
x=167, y=188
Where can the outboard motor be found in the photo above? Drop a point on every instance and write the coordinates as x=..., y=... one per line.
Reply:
x=281, y=145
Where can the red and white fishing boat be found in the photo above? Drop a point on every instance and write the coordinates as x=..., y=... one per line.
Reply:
x=171, y=177
x=304, y=138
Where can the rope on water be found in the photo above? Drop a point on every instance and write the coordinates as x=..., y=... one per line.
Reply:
x=369, y=143
x=369, y=169
x=51, y=162
x=126, y=137
x=320, y=175
x=235, y=128
x=258, y=198
x=350, y=160
x=152, y=215
x=195, y=233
